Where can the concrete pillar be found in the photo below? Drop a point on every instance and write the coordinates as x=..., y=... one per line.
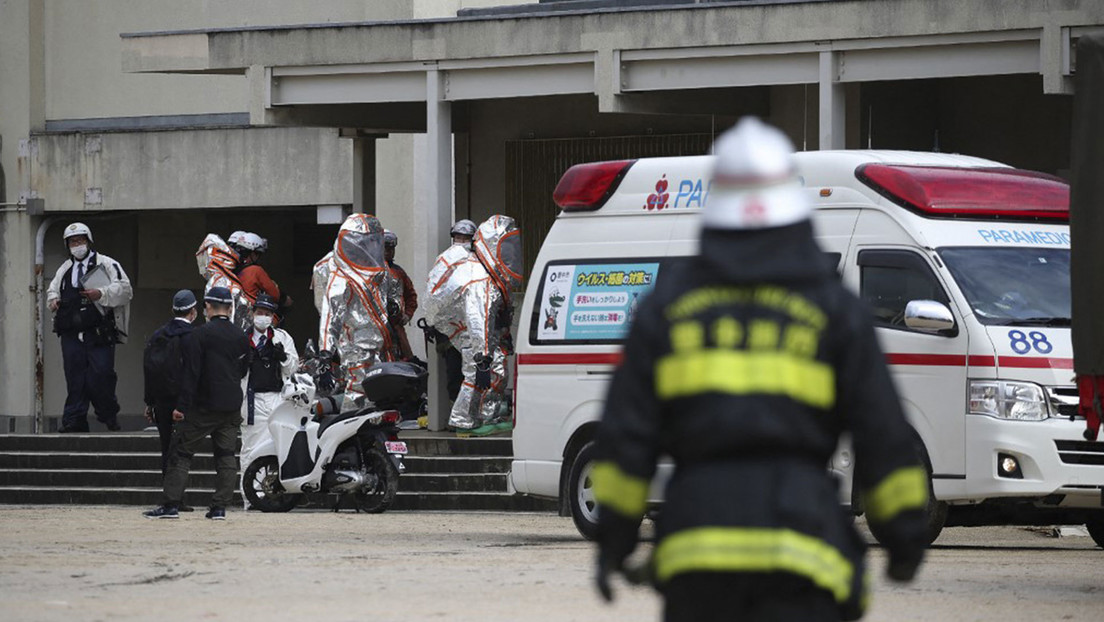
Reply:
x=832, y=103
x=364, y=176
x=434, y=219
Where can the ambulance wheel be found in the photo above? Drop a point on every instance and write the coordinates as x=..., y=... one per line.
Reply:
x=1095, y=525
x=580, y=492
x=935, y=513
x=376, y=499
x=261, y=485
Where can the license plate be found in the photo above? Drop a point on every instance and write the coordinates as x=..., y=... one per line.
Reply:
x=395, y=447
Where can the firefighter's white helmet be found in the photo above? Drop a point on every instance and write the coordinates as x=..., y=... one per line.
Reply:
x=252, y=242
x=77, y=228
x=235, y=238
x=755, y=185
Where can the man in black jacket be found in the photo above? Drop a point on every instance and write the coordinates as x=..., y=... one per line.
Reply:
x=216, y=358
x=163, y=367
x=745, y=365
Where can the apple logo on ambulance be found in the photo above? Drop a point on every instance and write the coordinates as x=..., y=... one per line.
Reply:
x=658, y=200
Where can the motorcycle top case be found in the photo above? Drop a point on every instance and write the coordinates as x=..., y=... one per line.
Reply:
x=390, y=384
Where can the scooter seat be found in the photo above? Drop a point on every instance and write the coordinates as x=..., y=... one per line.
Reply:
x=325, y=421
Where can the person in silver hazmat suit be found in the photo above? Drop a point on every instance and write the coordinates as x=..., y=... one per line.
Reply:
x=468, y=298
x=351, y=289
x=217, y=262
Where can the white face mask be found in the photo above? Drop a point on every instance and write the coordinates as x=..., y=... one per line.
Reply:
x=262, y=322
x=80, y=252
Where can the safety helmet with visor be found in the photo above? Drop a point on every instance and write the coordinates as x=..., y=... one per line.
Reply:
x=463, y=227
x=75, y=229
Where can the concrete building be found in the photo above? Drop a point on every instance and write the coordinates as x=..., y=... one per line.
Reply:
x=160, y=121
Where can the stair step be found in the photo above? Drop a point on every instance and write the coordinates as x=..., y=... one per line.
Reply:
x=200, y=498
x=200, y=479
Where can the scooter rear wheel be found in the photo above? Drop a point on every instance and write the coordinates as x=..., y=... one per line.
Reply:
x=261, y=486
x=378, y=498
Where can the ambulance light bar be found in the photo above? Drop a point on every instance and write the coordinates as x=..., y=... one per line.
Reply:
x=587, y=187
x=951, y=192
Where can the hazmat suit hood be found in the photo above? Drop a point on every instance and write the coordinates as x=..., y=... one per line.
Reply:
x=497, y=244
x=216, y=262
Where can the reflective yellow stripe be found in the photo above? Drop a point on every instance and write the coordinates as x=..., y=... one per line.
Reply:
x=755, y=549
x=618, y=491
x=903, y=489
x=739, y=372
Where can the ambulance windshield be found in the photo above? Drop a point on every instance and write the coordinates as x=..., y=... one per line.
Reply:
x=1014, y=286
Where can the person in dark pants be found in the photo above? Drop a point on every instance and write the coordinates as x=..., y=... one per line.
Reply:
x=163, y=367
x=216, y=358
x=745, y=365
x=90, y=297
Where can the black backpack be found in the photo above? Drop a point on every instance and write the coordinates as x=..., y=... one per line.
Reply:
x=163, y=364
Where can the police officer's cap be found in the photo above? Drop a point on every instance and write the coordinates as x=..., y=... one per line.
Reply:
x=184, y=300
x=264, y=301
x=219, y=296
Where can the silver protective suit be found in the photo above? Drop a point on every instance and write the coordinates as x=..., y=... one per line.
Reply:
x=217, y=262
x=353, y=307
x=468, y=298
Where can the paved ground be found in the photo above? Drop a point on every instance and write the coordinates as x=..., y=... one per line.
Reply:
x=108, y=563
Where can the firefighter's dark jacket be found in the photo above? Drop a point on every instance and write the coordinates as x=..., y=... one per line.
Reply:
x=216, y=358
x=745, y=365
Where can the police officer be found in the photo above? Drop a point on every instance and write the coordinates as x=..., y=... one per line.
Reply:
x=744, y=365
x=90, y=319
x=272, y=361
x=216, y=358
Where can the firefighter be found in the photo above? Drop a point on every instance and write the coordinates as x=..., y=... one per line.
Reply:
x=744, y=365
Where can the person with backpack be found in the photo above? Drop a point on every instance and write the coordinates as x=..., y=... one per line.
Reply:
x=163, y=366
x=272, y=360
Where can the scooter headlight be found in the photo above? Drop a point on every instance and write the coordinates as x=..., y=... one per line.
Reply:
x=1019, y=401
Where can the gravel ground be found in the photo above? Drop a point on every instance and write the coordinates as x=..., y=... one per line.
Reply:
x=108, y=563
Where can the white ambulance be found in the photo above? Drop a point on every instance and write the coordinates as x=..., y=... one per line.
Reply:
x=963, y=261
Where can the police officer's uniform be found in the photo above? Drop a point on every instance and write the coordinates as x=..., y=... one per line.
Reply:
x=745, y=365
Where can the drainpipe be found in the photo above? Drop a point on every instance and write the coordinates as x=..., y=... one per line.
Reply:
x=38, y=425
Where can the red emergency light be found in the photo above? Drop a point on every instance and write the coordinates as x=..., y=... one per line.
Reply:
x=952, y=192
x=586, y=187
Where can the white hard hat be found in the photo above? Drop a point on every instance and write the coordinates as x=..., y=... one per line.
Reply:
x=755, y=185
x=77, y=228
x=252, y=242
x=235, y=237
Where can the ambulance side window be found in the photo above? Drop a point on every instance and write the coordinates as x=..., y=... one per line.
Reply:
x=890, y=279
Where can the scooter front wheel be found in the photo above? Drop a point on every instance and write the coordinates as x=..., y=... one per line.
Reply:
x=261, y=485
x=376, y=499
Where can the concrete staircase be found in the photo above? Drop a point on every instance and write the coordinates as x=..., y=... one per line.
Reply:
x=442, y=472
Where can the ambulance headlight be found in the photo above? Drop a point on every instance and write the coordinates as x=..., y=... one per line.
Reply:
x=1020, y=401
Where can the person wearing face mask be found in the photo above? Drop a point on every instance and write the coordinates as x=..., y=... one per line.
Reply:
x=273, y=359
x=90, y=298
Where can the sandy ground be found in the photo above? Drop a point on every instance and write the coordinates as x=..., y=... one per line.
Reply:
x=108, y=563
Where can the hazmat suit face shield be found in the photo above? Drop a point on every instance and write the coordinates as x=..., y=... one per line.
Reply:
x=498, y=246
x=361, y=250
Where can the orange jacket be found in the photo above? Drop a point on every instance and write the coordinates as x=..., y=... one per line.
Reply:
x=255, y=280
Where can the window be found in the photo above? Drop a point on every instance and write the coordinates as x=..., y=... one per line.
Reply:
x=890, y=279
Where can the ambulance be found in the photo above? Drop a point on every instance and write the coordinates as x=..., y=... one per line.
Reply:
x=964, y=263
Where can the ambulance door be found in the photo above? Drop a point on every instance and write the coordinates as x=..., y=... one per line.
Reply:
x=929, y=368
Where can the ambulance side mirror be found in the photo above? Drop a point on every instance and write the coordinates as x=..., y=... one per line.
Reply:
x=928, y=316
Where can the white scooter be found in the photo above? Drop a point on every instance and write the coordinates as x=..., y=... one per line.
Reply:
x=355, y=453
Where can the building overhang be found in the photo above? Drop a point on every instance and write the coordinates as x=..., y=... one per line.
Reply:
x=611, y=53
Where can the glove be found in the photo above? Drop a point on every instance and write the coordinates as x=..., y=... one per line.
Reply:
x=903, y=564
x=482, y=372
x=506, y=342
x=616, y=541
x=278, y=352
